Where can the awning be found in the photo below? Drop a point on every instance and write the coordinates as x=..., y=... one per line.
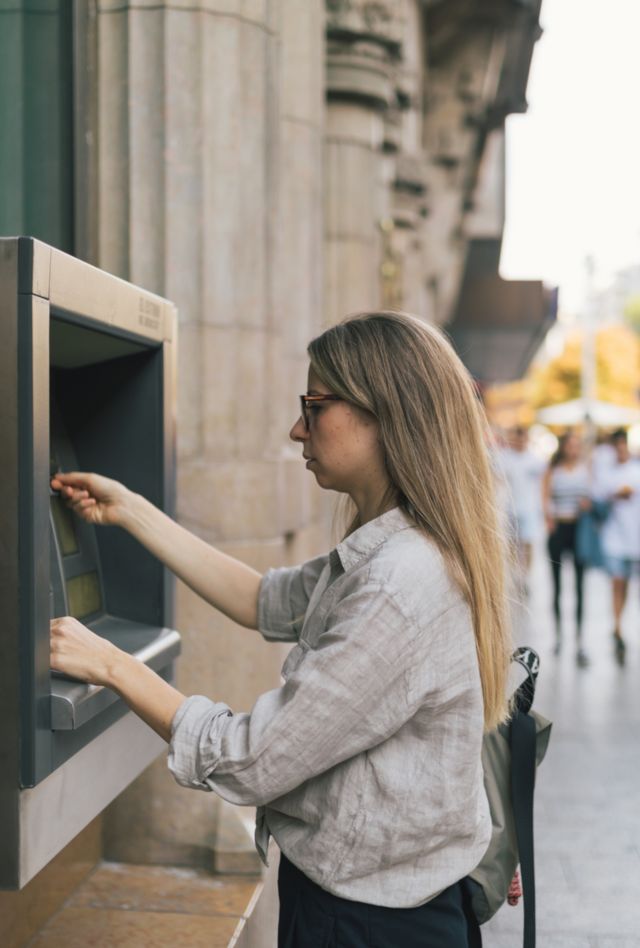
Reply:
x=500, y=324
x=579, y=410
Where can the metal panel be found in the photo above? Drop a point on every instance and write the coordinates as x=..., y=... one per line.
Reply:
x=55, y=811
x=74, y=704
x=9, y=573
x=36, y=118
x=33, y=507
x=77, y=287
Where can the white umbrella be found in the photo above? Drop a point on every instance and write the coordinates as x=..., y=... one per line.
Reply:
x=579, y=410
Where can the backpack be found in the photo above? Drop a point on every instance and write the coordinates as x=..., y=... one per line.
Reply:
x=510, y=755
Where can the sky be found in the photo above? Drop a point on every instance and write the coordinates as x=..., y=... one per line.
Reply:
x=573, y=160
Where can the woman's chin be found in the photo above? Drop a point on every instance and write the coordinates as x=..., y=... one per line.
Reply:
x=321, y=480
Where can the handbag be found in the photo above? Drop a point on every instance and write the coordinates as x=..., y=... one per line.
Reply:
x=588, y=546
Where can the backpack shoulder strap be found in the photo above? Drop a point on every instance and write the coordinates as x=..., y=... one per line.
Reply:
x=522, y=739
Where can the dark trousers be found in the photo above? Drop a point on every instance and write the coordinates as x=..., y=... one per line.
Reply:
x=313, y=918
x=563, y=540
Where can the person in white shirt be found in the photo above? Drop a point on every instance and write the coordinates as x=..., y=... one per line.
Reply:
x=522, y=472
x=603, y=455
x=619, y=485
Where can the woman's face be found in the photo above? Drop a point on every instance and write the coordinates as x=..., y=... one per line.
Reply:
x=341, y=446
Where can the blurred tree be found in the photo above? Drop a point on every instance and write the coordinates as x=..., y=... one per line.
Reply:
x=510, y=404
x=618, y=365
x=559, y=379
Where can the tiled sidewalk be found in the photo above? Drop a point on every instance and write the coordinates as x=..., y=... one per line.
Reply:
x=588, y=792
x=151, y=907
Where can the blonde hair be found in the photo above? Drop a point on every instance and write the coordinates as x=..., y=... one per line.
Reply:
x=434, y=436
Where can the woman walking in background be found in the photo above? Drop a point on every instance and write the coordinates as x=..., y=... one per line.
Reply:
x=618, y=485
x=565, y=494
x=365, y=764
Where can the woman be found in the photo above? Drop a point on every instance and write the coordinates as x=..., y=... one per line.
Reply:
x=365, y=765
x=565, y=494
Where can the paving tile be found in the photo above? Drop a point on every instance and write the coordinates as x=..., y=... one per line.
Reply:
x=607, y=942
x=164, y=889
x=600, y=874
x=105, y=928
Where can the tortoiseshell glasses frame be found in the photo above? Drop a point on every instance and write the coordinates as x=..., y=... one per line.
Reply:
x=308, y=401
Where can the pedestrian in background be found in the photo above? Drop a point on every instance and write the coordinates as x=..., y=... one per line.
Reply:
x=365, y=765
x=566, y=492
x=522, y=471
x=603, y=454
x=618, y=485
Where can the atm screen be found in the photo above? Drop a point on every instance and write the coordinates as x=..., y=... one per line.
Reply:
x=64, y=526
x=83, y=595
x=76, y=576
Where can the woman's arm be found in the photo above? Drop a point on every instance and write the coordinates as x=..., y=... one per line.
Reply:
x=226, y=583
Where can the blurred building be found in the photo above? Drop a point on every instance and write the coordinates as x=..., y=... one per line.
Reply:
x=611, y=304
x=269, y=166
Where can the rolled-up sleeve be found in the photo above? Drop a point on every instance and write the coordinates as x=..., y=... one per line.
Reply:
x=191, y=758
x=283, y=599
x=341, y=698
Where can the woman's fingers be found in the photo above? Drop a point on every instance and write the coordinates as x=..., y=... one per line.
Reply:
x=79, y=499
x=95, y=498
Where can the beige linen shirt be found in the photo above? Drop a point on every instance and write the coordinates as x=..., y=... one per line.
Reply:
x=365, y=764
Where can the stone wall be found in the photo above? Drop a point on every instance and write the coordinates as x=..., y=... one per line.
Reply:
x=211, y=135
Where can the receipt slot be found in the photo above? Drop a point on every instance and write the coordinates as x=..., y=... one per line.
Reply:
x=86, y=383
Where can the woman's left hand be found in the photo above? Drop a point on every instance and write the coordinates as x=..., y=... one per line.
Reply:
x=515, y=890
x=80, y=653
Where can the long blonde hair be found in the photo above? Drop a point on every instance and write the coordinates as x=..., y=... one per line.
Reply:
x=434, y=436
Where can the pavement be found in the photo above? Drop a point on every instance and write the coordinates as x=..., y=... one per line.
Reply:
x=587, y=804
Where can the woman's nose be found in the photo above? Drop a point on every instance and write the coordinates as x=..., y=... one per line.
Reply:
x=299, y=432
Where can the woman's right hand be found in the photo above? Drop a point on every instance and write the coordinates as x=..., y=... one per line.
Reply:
x=94, y=498
x=550, y=523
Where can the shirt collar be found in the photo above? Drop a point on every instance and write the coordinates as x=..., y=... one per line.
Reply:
x=371, y=535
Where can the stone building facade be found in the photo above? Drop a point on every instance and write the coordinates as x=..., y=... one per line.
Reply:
x=269, y=166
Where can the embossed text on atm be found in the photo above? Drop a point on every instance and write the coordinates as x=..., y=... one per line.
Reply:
x=149, y=313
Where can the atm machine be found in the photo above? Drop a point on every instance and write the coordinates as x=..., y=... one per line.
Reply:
x=86, y=383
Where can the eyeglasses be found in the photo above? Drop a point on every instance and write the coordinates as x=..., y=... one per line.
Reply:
x=307, y=402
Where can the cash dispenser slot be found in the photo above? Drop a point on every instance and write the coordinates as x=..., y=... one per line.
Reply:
x=74, y=703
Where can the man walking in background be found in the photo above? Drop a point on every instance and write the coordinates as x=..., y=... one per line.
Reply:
x=522, y=473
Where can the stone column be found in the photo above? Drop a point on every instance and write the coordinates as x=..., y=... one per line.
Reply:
x=363, y=43
x=210, y=137
x=407, y=174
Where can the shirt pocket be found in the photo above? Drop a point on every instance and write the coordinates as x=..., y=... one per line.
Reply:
x=294, y=659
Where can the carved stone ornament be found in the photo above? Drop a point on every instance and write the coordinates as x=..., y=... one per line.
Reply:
x=363, y=44
x=372, y=18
